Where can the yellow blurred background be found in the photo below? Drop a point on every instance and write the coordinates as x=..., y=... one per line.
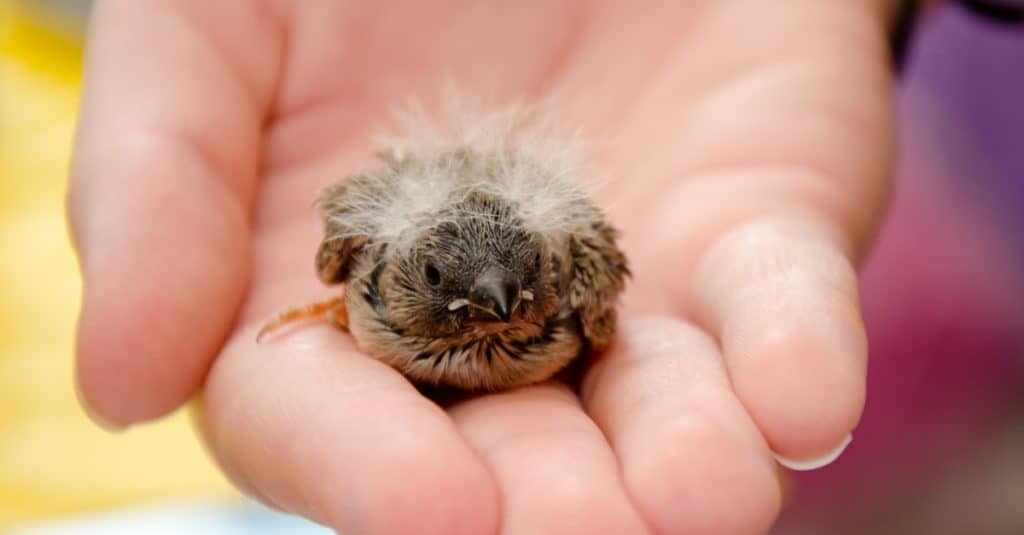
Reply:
x=53, y=460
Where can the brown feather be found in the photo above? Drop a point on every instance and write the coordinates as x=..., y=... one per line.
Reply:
x=412, y=240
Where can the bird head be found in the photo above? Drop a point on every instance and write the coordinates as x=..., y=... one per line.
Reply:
x=476, y=268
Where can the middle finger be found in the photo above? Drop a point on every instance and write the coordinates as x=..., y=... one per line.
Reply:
x=555, y=469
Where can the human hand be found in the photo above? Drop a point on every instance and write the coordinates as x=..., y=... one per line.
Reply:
x=753, y=142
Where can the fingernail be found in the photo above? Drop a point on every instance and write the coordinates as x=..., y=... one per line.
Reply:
x=93, y=415
x=814, y=464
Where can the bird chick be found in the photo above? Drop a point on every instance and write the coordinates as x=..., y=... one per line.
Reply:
x=477, y=269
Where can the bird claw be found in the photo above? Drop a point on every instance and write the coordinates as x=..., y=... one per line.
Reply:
x=332, y=310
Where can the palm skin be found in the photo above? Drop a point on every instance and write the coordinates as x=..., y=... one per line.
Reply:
x=748, y=144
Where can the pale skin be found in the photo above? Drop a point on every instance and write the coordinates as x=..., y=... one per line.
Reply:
x=749, y=144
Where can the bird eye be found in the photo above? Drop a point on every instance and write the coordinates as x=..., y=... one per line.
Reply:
x=536, y=261
x=433, y=275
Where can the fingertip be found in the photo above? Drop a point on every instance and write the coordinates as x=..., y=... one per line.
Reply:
x=97, y=416
x=99, y=371
x=804, y=385
x=123, y=374
x=150, y=326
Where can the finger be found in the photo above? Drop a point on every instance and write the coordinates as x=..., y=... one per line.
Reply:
x=781, y=295
x=691, y=458
x=310, y=425
x=165, y=162
x=779, y=292
x=554, y=468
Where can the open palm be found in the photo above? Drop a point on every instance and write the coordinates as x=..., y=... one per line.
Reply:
x=748, y=144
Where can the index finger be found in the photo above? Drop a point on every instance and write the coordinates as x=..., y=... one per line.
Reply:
x=165, y=162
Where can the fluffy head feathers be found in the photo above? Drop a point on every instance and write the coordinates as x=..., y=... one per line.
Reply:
x=515, y=153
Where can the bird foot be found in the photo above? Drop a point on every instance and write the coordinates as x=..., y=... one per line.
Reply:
x=332, y=310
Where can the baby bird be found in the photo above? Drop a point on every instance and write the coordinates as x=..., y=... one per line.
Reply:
x=469, y=268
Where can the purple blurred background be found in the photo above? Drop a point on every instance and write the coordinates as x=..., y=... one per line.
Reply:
x=940, y=448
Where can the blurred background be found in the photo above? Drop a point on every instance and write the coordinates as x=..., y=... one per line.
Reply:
x=940, y=449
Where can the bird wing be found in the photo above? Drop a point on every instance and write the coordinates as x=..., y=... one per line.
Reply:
x=349, y=211
x=597, y=277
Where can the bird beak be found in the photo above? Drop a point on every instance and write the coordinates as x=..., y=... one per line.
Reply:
x=495, y=294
